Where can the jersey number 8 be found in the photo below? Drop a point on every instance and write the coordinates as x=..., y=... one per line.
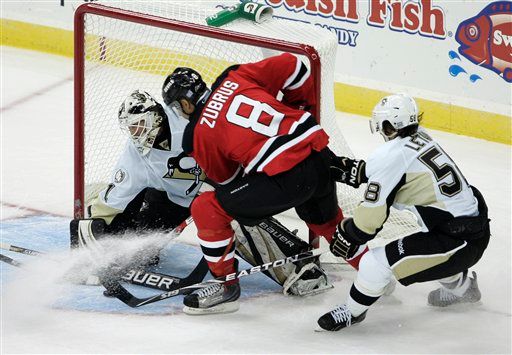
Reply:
x=257, y=110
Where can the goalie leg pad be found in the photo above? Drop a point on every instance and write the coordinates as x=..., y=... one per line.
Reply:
x=309, y=280
x=85, y=232
x=266, y=242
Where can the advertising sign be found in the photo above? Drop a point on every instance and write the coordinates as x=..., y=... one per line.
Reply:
x=445, y=49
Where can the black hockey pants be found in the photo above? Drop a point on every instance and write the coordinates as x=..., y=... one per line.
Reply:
x=452, y=247
x=307, y=187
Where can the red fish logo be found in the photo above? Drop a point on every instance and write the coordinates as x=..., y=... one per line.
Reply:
x=486, y=39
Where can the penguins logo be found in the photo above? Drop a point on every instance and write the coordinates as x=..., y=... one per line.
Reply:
x=184, y=167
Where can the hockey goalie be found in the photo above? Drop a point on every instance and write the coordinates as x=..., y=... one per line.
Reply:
x=153, y=185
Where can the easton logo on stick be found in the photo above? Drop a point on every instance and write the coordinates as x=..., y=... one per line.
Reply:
x=264, y=267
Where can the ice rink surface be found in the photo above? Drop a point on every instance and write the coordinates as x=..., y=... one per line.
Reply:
x=40, y=315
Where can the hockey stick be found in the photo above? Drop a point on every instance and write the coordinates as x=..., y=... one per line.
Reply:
x=9, y=261
x=115, y=289
x=139, y=277
x=21, y=250
x=155, y=280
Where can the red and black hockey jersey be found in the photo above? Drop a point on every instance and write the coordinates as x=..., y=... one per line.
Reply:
x=242, y=124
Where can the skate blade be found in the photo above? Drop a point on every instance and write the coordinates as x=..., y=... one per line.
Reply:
x=229, y=307
x=461, y=305
x=319, y=329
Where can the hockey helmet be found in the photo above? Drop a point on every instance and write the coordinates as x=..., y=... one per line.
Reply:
x=183, y=83
x=140, y=118
x=398, y=110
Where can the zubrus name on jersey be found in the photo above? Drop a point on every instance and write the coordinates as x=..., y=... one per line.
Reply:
x=216, y=102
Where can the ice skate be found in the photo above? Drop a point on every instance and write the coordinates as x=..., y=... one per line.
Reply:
x=338, y=318
x=445, y=296
x=217, y=298
x=390, y=287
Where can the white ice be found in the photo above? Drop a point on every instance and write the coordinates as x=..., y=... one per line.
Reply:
x=37, y=178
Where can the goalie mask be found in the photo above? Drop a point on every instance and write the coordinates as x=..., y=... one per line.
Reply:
x=399, y=111
x=140, y=118
x=183, y=83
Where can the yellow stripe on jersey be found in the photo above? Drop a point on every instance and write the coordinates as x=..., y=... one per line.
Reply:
x=370, y=219
x=100, y=210
x=419, y=190
x=414, y=264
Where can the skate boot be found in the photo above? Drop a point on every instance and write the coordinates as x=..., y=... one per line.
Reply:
x=339, y=318
x=444, y=296
x=390, y=288
x=217, y=298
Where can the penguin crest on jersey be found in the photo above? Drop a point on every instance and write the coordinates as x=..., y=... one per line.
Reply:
x=184, y=167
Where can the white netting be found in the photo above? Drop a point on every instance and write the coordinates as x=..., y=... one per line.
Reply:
x=123, y=56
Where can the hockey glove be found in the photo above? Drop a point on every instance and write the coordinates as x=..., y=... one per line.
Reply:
x=347, y=239
x=348, y=171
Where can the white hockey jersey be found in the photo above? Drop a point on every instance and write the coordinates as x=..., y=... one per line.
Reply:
x=413, y=173
x=169, y=170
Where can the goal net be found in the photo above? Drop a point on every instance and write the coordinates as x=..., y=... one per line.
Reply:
x=129, y=45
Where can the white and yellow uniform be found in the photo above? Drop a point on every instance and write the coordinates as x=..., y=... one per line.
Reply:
x=164, y=168
x=415, y=174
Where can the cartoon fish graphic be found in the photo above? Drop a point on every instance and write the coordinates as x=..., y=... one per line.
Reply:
x=486, y=39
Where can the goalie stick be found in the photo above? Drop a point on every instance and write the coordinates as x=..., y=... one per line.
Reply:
x=116, y=290
x=139, y=277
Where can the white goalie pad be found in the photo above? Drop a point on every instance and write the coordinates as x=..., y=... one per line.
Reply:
x=261, y=246
x=270, y=241
x=309, y=280
x=86, y=238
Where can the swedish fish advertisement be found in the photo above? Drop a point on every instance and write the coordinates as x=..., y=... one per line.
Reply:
x=457, y=48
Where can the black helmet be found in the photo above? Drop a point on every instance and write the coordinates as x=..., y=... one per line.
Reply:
x=183, y=83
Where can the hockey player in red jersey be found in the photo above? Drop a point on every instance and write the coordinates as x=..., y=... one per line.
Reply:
x=152, y=186
x=412, y=172
x=265, y=156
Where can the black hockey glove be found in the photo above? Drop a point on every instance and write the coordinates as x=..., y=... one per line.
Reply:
x=347, y=239
x=348, y=171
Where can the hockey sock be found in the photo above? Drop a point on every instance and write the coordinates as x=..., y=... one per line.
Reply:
x=356, y=259
x=372, y=278
x=326, y=229
x=358, y=302
x=216, y=236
